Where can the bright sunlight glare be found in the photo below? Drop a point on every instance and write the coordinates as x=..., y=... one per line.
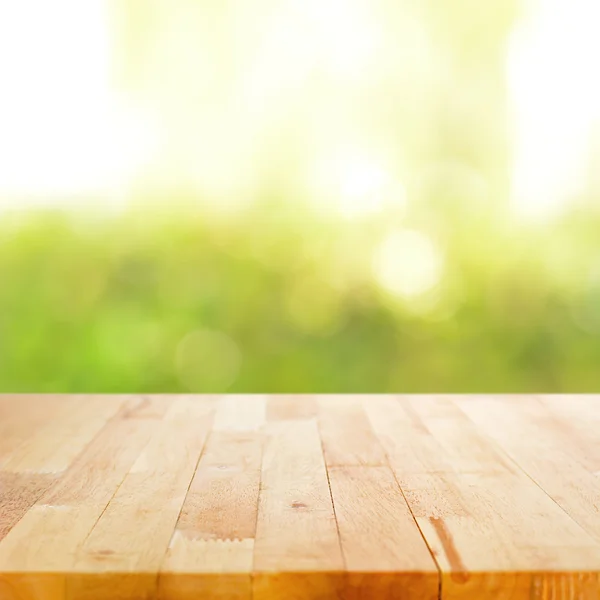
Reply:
x=63, y=132
x=407, y=264
x=356, y=184
x=342, y=34
x=556, y=101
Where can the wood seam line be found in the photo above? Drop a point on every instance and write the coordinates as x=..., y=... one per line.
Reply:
x=112, y=419
x=513, y=460
x=206, y=437
x=109, y=420
x=115, y=490
x=119, y=414
x=337, y=525
x=37, y=498
x=263, y=433
x=262, y=460
x=562, y=424
x=82, y=451
x=412, y=514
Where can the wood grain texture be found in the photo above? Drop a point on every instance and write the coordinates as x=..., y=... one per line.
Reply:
x=18, y=493
x=285, y=408
x=130, y=497
x=347, y=435
x=58, y=442
x=384, y=553
x=553, y=445
x=19, y=426
x=297, y=548
x=211, y=551
x=131, y=537
x=493, y=531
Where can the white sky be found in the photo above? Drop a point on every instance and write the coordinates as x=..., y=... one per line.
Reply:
x=554, y=85
x=64, y=132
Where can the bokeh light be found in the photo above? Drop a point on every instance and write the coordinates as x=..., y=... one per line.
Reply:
x=407, y=263
x=356, y=185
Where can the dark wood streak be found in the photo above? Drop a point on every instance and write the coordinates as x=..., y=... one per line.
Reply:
x=415, y=419
x=459, y=572
x=18, y=493
x=144, y=407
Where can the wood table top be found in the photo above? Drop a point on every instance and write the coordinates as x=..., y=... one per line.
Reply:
x=299, y=497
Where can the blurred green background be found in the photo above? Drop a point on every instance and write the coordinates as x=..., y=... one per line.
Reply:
x=307, y=197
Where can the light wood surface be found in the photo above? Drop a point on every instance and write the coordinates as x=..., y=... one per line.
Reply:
x=299, y=497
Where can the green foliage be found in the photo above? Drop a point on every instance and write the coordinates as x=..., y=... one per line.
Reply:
x=154, y=304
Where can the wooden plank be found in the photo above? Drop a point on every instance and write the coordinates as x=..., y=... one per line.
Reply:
x=240, y=413
x=212, y=549
x=39, y=571
x=59, y=442
x=578, y=418
x=222, y=501
x=294, y=499
x=63, y=517
x=23, y=416
x=347, y=435
x=493, y=531
x=190, y=406
x=145, y=407
x=18, y=493
x=297, y=552
x=32, y=586
x=384, y=552
x=93, y=477
x=551, y=454
x=284, y=408
x=397, y=431
x=127, y=545
x=459, y=441
x=208, y=569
